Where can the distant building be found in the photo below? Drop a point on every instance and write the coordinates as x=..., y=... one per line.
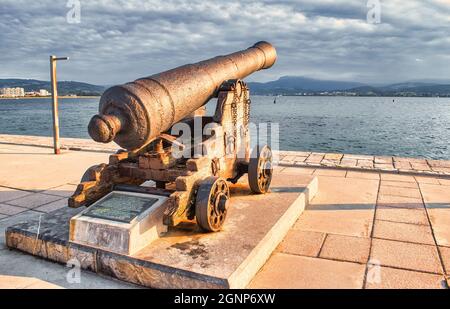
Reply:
x=12, y=92
x=44, y=93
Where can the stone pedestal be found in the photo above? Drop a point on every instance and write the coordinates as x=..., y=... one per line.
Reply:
x=184, y=258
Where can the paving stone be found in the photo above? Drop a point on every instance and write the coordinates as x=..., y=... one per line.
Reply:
x=63, y=191
x=395, y=214
x=333, y=156
x=298, y=171
x=7, y=194
x=445, y=170
x=420, y=166
x=397, y=177
x=402, y=165
x=34, y=200
x=330, y=172
x=437, y=202
x=391, y=278
x=348, y=162
x=40, y=284
x=418, y=161
x=400, y=201
x=343, y=206
x=315, y=158
x=445, y=254
x=329, y=163
x=444, y=182
x=42, y=169
x=19, y=282
x=383, y=160
x=296, y=272
x=53, y=206
x=399, y=184
x=11, y=210
x=299, y=159
x=406, y=255
x=346, y=248
x=15, y=282
x=385, y=167
x=358, y=157
x=302, y=243
x=288, y=159
x=410, y=160
x=438, y=163
x=363, y=175
x=365, y=164
x=429, y=180
x=403, y=232
x=302, y=153
x=276, y=169
x=300, y=164
x=399, y=191
x=400, y=159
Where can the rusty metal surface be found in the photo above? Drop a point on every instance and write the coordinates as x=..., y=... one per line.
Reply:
x=135, y=113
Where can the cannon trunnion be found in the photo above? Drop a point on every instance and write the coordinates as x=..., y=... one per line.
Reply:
x=192, y=169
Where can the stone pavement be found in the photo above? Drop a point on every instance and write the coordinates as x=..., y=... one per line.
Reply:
x=66, y=143
x=364, y=229
x=33, y=181
x=389, y=164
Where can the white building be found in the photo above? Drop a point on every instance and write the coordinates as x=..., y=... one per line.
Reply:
x=13, y=92
x=44, y=93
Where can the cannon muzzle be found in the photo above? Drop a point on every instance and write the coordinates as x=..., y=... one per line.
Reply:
x=135, y=113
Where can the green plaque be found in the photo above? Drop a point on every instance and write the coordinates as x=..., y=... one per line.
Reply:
x=120, y=207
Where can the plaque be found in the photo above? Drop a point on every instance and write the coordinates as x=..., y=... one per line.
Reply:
x=120, y=207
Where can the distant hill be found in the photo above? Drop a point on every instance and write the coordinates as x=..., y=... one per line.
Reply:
x=64, y=87
x=296, y=85
x=286, y=85
x=405, y=89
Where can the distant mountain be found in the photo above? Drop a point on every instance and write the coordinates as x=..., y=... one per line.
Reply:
x=298, y=84
x=295, y=85
x=405, y=89
x=286, y=85
x=405, y=85
x=64, y=87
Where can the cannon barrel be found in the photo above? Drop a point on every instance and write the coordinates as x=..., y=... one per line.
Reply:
x=135, y=113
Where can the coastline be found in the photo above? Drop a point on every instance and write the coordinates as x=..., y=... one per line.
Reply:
x=262, y=95
x=305, y=159
x=49, y=97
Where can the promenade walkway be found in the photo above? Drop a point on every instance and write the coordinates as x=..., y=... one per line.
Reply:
x=287, y=158
x=377, y=222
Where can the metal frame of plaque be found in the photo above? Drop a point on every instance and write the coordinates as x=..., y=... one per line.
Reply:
x=121, y=222
x=120, y=206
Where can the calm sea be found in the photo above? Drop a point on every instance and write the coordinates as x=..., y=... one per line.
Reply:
x=416, y=127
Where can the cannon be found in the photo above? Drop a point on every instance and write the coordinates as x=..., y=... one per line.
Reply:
x=149, y=119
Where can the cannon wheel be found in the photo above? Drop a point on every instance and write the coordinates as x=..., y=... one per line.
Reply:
x=211, y=203
x=260, y=170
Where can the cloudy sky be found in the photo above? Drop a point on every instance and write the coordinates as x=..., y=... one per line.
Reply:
x=118, y=41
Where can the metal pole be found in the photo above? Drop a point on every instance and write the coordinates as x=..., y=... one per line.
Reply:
x=56, y=143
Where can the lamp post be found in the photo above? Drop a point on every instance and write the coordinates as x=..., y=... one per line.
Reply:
x=56, y=144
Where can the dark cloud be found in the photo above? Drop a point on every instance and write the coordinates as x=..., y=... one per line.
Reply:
x=118, y=41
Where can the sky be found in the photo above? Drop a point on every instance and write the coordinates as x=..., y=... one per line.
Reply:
x=111, y=42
